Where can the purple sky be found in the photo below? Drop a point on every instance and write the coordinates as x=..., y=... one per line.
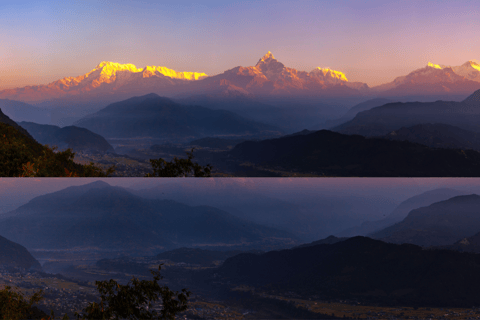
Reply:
x=370, y=41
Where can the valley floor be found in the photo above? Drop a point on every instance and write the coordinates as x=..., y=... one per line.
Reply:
x=66, y=295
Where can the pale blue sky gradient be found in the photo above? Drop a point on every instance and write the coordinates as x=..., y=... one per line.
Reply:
x=370, y=41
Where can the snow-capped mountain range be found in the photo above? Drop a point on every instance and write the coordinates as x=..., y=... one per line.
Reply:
x=268, y=77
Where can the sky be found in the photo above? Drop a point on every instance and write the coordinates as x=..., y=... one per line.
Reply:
x=370, y=41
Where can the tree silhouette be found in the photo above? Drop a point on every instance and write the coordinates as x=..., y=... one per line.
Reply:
x=14, y=306
x=179, y=167
x=135, y=300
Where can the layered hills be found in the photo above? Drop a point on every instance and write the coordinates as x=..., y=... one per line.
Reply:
x=75, y=138
x=333, y=154
x=297, y=211
x=268, y=92
x=97, y=215
x=402, y=211
x=441, y=223
x=364, y=270
x=352, y=112
x=383, y=120
x=157, y=117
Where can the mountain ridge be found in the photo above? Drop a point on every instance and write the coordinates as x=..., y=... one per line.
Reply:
x=441, y=223
x=160, y=117
x=101, y=216
x=268, y=76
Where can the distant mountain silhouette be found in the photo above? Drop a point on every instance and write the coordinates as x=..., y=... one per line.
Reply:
x=14, y=255
x=352, y=112
x=199, y=256
x=400, y=212
x=242, y=200
x=367, y=105
x=101, y=216
x=300, y=133
x=327, y=240
x=156, y=117
x=219, y=143
x=441, y=223
x=362, y=269
x=383, y=120
x=78, y=139
x=248, y=106
x=332, y=154
x=20, y=111
x=437, y=136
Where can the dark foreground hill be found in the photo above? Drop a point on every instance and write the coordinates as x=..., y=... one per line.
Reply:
x=468, y=244
x=97, y=215
x=363, y=269
x=442, y=223
x=401, y=212
x=6, y=120
x=382, y=120
x=75, y=138
x=333, y=154
x=151, y=116
x=18, y=150
x=437, y=135
x=14, y=255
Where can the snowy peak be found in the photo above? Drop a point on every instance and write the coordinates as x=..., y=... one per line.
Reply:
x=109, y=70
x=469, y=70
x=435, y=66
x=432, y=73
x=150, y=71
x=269, y=56
x=108, y=66
x=329, y=75
x=435, y=79
x=107, y=77
x=270, y=66
x=474, y=64
x=274, y=70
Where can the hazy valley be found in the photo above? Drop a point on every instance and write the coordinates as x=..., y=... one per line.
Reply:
x=233, y=242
